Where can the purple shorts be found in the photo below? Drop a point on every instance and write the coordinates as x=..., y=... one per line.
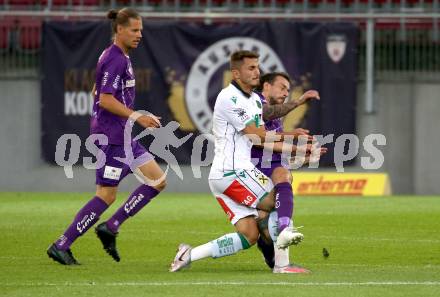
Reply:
x=268, y=171
x=114, y=171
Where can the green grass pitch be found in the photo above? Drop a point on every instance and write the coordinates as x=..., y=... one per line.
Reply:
x=385, y=246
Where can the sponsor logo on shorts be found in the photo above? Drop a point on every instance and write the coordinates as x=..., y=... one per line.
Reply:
x=112, y=172
x=240, y=194
x=226, y=209
x=260, y=176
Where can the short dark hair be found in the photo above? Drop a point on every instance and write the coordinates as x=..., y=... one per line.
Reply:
x=270, y=78
x=238, y=57
x=121, y=17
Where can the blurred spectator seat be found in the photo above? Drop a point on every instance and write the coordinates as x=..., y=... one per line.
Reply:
x=29, y=35
x=6, y=27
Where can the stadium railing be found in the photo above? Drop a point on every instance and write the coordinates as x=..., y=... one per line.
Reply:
x=393, y=45
x=228, y=5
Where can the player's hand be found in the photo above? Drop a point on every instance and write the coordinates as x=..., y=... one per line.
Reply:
x=304, y=149
x=322, y=151
x=309, y=95
x=149, y=121
x=317, y=150
x=314, y=157
x=303, y=133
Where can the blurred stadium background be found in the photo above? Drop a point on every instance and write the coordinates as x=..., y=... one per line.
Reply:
x=397, y=77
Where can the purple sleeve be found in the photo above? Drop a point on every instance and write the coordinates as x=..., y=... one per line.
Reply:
x=111, y=79
x=262, y=99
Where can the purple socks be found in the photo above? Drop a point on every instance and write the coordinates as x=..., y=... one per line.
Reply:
x=90, y=213
x=283, y=204
x=85, y=218
x=137, y=200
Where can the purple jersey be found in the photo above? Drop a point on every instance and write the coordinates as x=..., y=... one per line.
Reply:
x=271, y=125
x=114, y=75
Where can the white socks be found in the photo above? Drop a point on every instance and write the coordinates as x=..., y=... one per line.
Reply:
x=226, y=245
x=281, y=256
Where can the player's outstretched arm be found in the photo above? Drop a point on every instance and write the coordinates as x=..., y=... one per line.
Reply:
x=275, y=111
x=111, y=104
x=254, y=132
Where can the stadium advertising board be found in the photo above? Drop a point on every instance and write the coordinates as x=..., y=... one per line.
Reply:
x=340, y=184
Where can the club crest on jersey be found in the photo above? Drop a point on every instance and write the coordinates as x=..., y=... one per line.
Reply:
x=209, y=62
x=241, y=113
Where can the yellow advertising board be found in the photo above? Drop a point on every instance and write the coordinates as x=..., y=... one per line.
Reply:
x=340, y=184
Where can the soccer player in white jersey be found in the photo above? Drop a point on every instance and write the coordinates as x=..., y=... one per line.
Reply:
x=240, y=188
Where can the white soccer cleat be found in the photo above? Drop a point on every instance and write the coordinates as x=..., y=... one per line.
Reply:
x=291, y=268
x=182, y=259
x=289, y=236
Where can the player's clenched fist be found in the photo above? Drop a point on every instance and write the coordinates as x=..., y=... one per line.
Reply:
x=309, y=95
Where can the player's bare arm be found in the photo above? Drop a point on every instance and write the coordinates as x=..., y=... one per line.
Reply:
x=93, y=90
x=284, y=147
x=252, y=131
x=111, y=104
x=274, y=111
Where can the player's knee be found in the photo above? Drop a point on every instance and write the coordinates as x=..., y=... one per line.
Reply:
x=108, y=198
x=252, y=239
x=252, y=236
x=108, y=194
x=281, y=175
x=161, y=186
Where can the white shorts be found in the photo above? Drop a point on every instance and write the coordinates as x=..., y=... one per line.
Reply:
x=239, y=192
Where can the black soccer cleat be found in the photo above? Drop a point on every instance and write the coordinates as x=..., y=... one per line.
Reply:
x=108, y=239
x=60, y=256
x=268, y=252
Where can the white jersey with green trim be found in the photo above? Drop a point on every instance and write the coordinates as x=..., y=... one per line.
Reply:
x=233, y=110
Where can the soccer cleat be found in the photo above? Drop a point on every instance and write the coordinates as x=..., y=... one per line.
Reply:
x=182, y=259
x=289, y=236
x=74, y=260
x=268, y=252
x=291, y=268
x=60, y=256
x=108, y=239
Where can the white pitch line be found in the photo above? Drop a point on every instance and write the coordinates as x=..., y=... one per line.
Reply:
x=209, y=283
x=377, y=239
x=312, y=238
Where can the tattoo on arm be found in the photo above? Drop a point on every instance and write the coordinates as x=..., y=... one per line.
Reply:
x=275, y=111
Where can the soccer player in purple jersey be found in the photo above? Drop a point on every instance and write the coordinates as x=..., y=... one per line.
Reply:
x=274, y=89
x=114, y=100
